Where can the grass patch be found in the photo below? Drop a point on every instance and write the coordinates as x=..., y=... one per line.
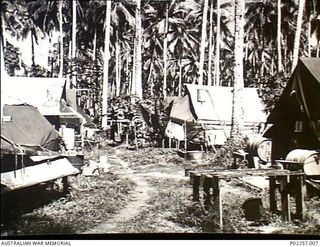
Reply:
x=91, y=200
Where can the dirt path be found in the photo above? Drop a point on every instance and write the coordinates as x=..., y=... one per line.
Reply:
x=138, y=200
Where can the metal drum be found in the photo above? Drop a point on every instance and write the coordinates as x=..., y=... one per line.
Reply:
x=309, y=160
x=260, y=147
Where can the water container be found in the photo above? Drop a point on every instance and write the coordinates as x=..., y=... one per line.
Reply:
x=260, y=147
x=309, y=160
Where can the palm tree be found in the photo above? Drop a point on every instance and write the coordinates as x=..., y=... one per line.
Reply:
x=295, y=55
x=203, y=40
x=217, y=58
x=137, y=74
x=104, y=121
x=237, y=122
x=279, y=36
x=262, y=34
x=183, y=42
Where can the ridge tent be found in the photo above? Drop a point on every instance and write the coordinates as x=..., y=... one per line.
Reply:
x=27, y=129
x=296, y=116
x=29, y=149
x=209, y=109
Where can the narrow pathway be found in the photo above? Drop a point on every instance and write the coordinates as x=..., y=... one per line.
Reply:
x=138, y=201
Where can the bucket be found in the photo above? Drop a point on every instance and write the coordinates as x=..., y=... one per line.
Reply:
x=260, y=147
x=194, y=155
x=309, y=159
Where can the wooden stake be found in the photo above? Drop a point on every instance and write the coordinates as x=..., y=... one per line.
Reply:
x=207, y=184
x=217, y=203
x=196, y=187
x=285, y=198
x=272, y=194
x=300, y=196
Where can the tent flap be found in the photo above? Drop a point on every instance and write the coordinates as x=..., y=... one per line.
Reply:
x=36, y=174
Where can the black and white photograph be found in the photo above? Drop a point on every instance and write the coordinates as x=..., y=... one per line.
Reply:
x=160, y=119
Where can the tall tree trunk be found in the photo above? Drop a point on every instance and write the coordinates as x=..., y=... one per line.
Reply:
x=309, y=37
x=94, y=45
x=237, y=121
x=297, y=35
x=32, y=48
x=180, y=77
x=217, y=62
x=203, y=41
x=74, y=48
x=68, y=82
x=211, y=46
x=127, y=73
x=117, y=46
x=61, y=39
x=137, y=54
x=279, y=36
x=165, y=50
x=104, y=120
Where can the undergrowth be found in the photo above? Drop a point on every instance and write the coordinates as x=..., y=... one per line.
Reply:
x=91, y=200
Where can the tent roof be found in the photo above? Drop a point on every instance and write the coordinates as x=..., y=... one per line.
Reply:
x=181, y=110
x=216, y=104
x=302, y=90
x=43, y=93
x=27, y=128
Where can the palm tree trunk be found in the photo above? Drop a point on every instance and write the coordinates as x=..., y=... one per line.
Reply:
x=309, y=37
x=165, y=50
x=94, y=43
x=279, y=36
x=138, y=55
x=203, y=41
x=69, y=65
x=117, y=48
x=180, y=77
x=211, y=46
x=104, y=120
x=61, y=39
x=297, y=35
x=32, y=48
x=127, y=73
x=237, y=121
x=217, y=62
x=74, y=37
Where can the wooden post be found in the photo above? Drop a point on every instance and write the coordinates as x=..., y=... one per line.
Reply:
x=163, y=143
x=191, y=174
x=127, y=138
x=300, y=196
x=217, y=203
x=272, y=194
x=170, y=142
x=65, y=185
x=207, y=184
x=285, y=198
x=196, y=187
x=135, y=136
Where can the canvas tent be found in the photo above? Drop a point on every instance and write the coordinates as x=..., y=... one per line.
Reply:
x=29, y=149
x=25, y=128
x=52, y=99
x=210, y=108
x=296, y=116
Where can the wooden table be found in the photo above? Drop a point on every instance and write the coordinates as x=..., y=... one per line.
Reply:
x=287, y=182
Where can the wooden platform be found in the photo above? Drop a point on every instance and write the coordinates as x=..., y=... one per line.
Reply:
x=288, y=183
